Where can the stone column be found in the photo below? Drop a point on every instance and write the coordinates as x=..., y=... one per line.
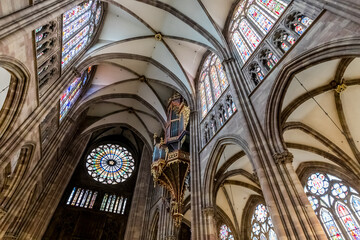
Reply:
x=210, y=221
x=136, y=228
x=197, y=221
x=282, y=194
x=297, y=195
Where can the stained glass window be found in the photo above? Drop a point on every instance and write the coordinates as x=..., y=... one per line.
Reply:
x=72, y=93
x=113, y=203
x=248, y=21
x=260, y=18
x=261, y=224
x=241, y=47
x=336, y=203
x=225, y=233
x=78, y=27
x=274, y=7
x=213, y=82
x=81, y=198
x=110, y=164
x=250, y=35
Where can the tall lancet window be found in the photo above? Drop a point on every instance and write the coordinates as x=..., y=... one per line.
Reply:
x=79, y=25
x=336, y=204
x=251, y=21
x=213, y=83
x=262, y=227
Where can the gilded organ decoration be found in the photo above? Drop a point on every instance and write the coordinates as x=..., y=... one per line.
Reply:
x=171, y=157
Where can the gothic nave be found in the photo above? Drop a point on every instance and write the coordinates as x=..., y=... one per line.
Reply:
x=179, y=120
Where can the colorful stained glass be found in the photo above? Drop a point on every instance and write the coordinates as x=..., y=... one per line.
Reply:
x=39, y=37
x=274, y=7
x=339, y=190
x=76, y=197
x=93, y=200
x=241, y=47
x=256, y=228
x=314, y=202
x=124, y=205
x=239, y=10
x=355, y=201
x=78, y=26
x=103, y=204
x=318, y=183
x=272, y=235
x=69, y=97
x=225, y=233
x=84, y=198
x=71, y=196
x=73, y=27
x=262, y=237
x=110, y=164
x=223, y=79
x=75, y=12
x=203, y=100
x=215, y=83
x=38, y=29
x=330, y=225
x=75, y=40
x=98, y=14
x=261, y=213
x=116, y=204
x=120, y=205
x=80, y=46
x=80, y=197
x=88, y=199
x=208, y=90
x=348, y=221
x=305, y=21
x=260, y=19
x=271, y=60
x=249, y=33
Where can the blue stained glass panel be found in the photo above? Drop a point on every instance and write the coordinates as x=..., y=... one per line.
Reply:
x=241, y=47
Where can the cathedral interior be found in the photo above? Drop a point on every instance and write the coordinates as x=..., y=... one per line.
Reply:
x=179, y=119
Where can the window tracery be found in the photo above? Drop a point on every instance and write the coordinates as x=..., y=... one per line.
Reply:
x=72, y=93
x=225, y=233
x=78, y=28
x=336, y=204
x=262, y=14
x=113, y=203
x=262, y=227
x=213, y=82
x=110, y=164
x=47, y=52
x=255, y=20
x=80, y=197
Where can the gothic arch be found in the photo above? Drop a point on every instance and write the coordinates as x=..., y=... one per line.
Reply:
x=273, y=127
x=21, y=168
x=213, y=160
x=16, y=95
x=154, y=227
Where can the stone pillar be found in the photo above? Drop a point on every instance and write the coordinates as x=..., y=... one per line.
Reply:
x=136, y=228
x=210, y=221
x=297, y=195
x=281, y=189
x=197, y=221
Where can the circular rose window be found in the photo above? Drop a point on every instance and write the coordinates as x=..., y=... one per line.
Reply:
x=110, y=164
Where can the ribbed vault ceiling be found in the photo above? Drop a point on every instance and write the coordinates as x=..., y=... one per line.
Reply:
x=319, y=123
x=137, y=73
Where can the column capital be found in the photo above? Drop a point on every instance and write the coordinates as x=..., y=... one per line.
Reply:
x=208, y=211
x=284, y=157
